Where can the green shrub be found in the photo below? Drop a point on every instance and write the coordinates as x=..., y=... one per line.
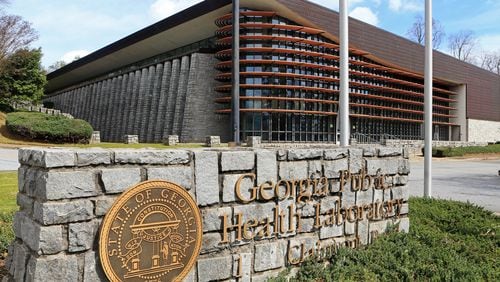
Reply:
x=442, y=152
x=6, y=108
x=6, y=231
x=48, y=104
x=44, y=127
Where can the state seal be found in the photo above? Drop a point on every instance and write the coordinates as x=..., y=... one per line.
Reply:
x=152, y=232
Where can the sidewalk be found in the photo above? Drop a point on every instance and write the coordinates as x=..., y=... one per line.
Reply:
x=8, y=159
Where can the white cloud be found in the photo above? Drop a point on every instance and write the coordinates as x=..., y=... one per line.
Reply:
x=406, y=5
x=70, y=56
x=364, y=14
x=161, y=9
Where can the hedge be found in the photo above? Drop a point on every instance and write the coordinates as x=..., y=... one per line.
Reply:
x=5, y=108
x=49, y=128
x=441, y=152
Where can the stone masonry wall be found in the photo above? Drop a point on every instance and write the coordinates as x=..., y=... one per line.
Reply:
x=324, y=199
x=483, y=130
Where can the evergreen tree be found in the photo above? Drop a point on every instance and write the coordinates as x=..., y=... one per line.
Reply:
x=22, y=77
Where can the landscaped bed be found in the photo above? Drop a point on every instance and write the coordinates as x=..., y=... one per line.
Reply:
x=49, y=128
x=448, y=241
x=9, y=139
x=442, y=152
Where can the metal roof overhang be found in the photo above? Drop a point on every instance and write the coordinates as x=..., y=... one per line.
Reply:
x=184, y=28
x=189, y=26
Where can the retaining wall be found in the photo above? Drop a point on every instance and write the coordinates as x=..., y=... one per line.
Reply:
x=325, y=199
x=415, y=146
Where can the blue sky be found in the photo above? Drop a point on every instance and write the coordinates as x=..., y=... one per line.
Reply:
x=76, y=27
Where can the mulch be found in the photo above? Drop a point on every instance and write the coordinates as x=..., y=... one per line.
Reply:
x=3, y=270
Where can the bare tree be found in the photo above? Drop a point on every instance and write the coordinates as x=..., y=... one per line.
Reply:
x=417, y=32
x=15, y=34
x=491, y=61
x=55, y=66
x=462, y=44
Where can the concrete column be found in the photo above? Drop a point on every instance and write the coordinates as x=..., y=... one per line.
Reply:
x=109, y=109
x=69, y=101
x=460, y=112
x=74, y=102
x=151, y=125
x=81, y=104
x=61, y=101
x=88, y=99
x=146, y=109
x=115, y=108
x=172, y=95
x=199, y=117
x=133, y=102
x=181, y=95
x=127, y=93
x=140, y=101
x=162, y=103
x=80, y=100
x=122, y=109
x=94, y=104
x=185, y=107
x=102, y=107
x=64, y=102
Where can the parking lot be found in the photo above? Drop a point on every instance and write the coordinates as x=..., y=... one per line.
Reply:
x=476, y=181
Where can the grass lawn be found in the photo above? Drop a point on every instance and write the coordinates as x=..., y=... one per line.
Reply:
x=8, y=191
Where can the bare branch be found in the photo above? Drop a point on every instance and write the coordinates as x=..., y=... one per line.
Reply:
x=417, y=32
x=491, y=61
x=462, y=44
x=15, y=34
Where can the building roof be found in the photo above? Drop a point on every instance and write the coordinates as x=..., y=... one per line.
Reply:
x=197, y=22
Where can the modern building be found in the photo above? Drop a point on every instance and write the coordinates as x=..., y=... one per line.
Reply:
x=174, y=77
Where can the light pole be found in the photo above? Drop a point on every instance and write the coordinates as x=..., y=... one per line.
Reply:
x=344, y=74
x=428, y=101
x=235, y=105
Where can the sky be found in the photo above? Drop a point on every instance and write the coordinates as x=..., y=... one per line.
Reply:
x=70, y=28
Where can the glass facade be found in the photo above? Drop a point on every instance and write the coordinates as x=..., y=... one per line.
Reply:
x=289, y=88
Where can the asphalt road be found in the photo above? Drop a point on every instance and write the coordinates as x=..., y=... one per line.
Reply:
x=476, y=181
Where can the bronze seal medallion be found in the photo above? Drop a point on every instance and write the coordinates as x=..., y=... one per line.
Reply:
x=152, y=233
